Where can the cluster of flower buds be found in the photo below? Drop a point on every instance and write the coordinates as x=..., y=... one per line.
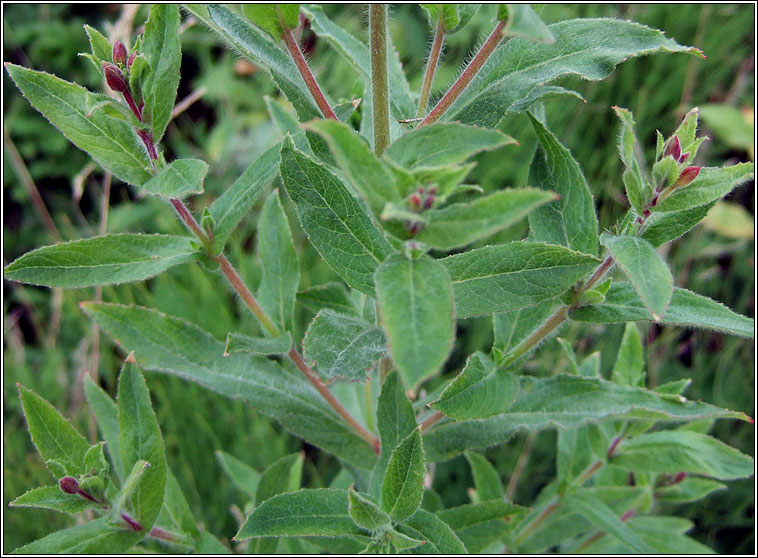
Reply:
x=419, y=201
x=673, y=148
x=117, y=80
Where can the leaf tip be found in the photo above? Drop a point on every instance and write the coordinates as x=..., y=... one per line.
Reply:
x=130, y=358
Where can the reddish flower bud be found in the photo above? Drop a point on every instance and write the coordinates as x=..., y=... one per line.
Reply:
x=679, y=477
x=683, y=158
x=132, y=56
x=433, y=190
x=428, y=201
x=69, y=485
x=119, y=53
x=115, y=78
x=673, y=148
x=688, y=175
x=414, y=201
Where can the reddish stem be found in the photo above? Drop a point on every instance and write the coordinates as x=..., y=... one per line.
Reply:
x=431, y=66
x=468, y=74
x=305, y=72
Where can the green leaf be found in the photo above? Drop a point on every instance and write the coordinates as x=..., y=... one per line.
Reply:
x=367, y=174
x=673, y=451
x=448, y=13
x=288, y=123
x=522, y=21
x=710, y=185
x=52, y=435
x=403, y=542
x=438, y=535
x=462, y=223
x=690, y=489
x=243, y=475
x=638, y=190
x=479, y=525
x=416, y=302
x=101, y=260
x=320, y=512
x=257, y=47
x=94, y=537
x=593, y=509
x=730, y=126
x=571, y=220
x=170, y=345
x=396, y=421
x=513, y=275
x=52, y=498
x=343, y=346
x=283, y=475
x=106, y=414
x=515, y=74
x=731, y=220
x=486, y=478
x=333, y=296
x=100, y=45
x=179, y=179
x=646, y=270
x=111, y=142
x=443, y=144
x=337, y=225
x=163, y=50
x=280, y=273
x=481, y=390
x=564, y=401
x=231, y=206
x=274, y=19
x=365, y=513
x=141, y=440
x=176, y=507
x=403, y=485
x=623, y=304
x=209, y=544
x=629, y=369
x=510, y=328
x=238, y=343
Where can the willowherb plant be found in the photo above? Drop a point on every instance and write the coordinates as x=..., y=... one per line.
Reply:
x=379, y=189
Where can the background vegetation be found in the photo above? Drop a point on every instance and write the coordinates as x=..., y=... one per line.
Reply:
x=50, y=345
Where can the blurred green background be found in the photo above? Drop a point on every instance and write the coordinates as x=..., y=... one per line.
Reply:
x=50, y=346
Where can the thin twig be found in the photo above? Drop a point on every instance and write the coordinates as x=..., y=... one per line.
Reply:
x=380, y=101
x=436, y=417
x=185, y=103
x=305, y=72
x=468, y=74
x=523, y=459
x=431, y=65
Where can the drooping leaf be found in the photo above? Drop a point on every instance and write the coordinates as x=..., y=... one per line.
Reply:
x=673, y=451
x=111, y=142
x=479, y=525
x=141, y=440
x=646, y=270
x=231, y=206
x=170, y=345
x=338, y=227
x=564, y=401
x=570, y=220
x=238, y=343
x=280, y=273
x=516, y=74
x=320, y=512
x=243, y=475
x=481, y=390
x=365, y=513
x=443, y=144
x=52, y=435
x=513, y=276
x=106, y=414
x=52, y=498
x=101, y=260
x=416, y=302
x=403, y=485
x=462, y=223
x=623, y=304
x=343, y=346
x=179, y=179
x=439, y=537
x=629, y=367
x=486, y=478
x=163, y=50
x=94, y=537
x=710, y=185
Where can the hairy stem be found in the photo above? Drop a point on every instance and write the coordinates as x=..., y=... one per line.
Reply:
x=431, y=65
x=556, y=319
x=305, y=72
x=436, y=417
x=523, y=459
x=468, y=74
x=380, y=100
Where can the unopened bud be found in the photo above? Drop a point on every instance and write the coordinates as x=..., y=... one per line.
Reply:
x=132, y=56
x=414, y=201
x=673, y=148
x=69, y=485
x=433, y=190
x=115, y=78
x=428, y=201
x=688, y=175
x=119, y=53
x=679, y=477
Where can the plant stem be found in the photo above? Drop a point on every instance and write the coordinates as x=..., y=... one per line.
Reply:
x=380, y=100
x=431, y=65
x=520, y=464
x=305, y=72
x=247, y=297
x=556, y=319
x=599, y=273
x=437, y=416
x=468, y=74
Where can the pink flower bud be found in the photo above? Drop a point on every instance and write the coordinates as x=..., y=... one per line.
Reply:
x=115, y=78
x=69, y=485
x=679, y=477
x=433, y=190
x=119, y=53
x=428, y=201
x=414, y=201
x=688, y=175
x=673, y=148
x=132, y=56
